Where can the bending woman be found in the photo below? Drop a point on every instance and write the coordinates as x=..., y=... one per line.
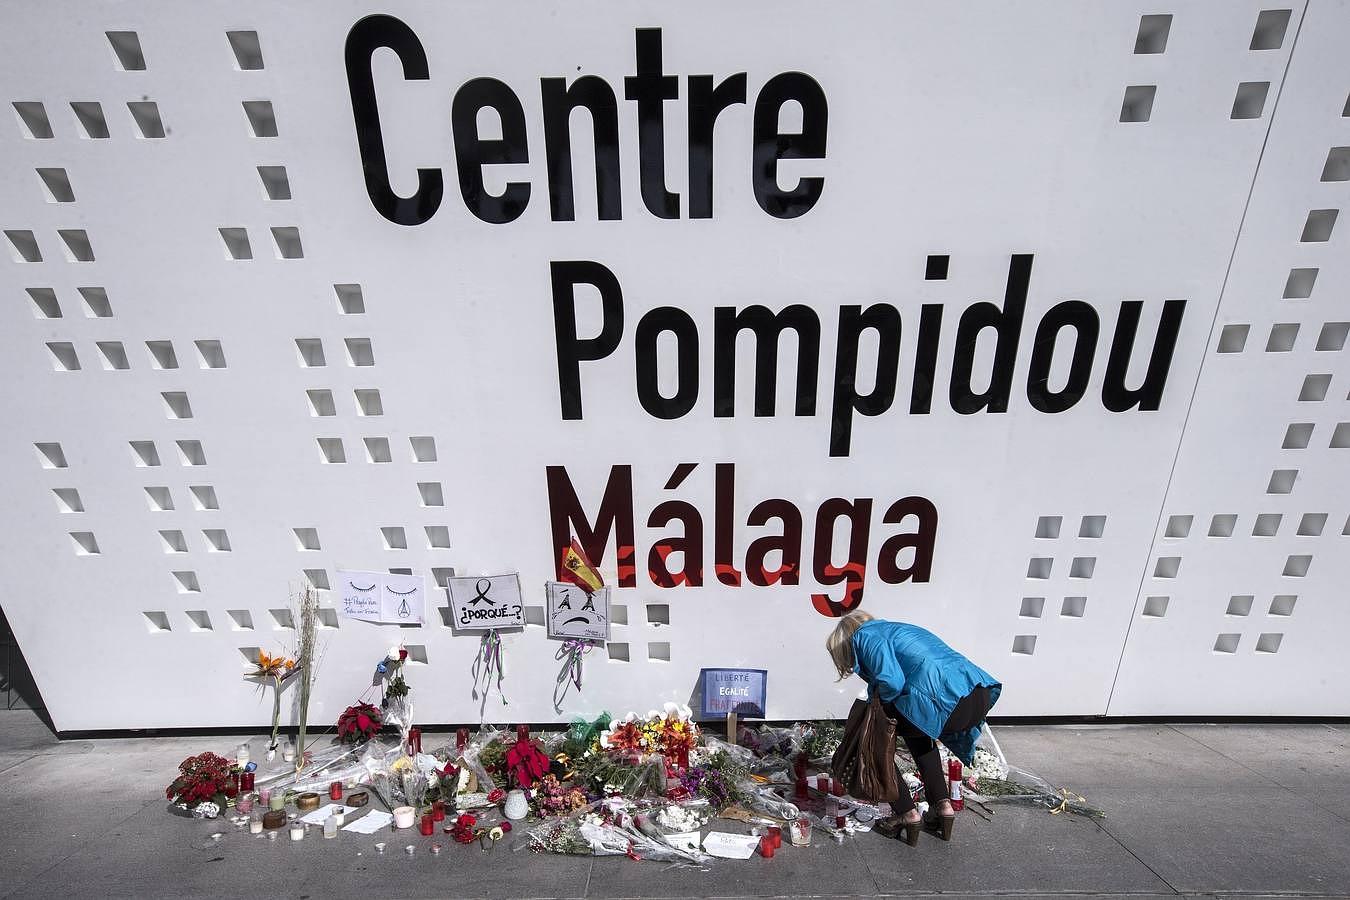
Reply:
x=932, y=692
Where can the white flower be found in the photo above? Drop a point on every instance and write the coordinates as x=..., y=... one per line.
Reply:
x=653, y=716
x=631, y=717
x=393, y=652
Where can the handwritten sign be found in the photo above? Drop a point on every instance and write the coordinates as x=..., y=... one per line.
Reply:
x=742, y=691
x=572, y=613
x=482, y=602
x=381, y=597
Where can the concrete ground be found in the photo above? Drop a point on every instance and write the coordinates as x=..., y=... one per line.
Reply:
x=1191, y=809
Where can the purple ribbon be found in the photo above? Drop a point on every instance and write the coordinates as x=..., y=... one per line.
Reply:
x=570, y=653
x=486, y=664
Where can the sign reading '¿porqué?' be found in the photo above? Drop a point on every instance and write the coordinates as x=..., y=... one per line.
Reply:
x=1118, y=350
x=484, y=602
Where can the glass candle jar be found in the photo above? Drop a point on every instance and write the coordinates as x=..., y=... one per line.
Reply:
x=297, y=831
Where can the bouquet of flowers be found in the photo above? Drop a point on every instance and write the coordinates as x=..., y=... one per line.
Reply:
x=359, y=723
x=526, y=763
x=200, y=778
x=551, y=798
x=672, y=733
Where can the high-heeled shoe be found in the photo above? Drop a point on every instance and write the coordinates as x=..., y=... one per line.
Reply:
x=897, y=827
x=940, y=824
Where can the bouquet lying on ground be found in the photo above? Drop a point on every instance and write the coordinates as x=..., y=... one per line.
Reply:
x=201, y=778
x=359, y=723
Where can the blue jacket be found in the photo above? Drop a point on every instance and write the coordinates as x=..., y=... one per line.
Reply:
x=921, y=677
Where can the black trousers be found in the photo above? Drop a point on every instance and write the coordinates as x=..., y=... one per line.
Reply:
x=969, y=712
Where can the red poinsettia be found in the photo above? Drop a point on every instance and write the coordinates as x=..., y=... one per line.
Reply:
x=200, y=778
x=526, y=763
x=359, y=723
x=495, y=796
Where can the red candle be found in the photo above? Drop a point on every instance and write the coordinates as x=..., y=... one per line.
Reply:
x=766, y=847
x=823, y=782
x=839, y=821
x=776, y=833
x=461, y=740
x=335, y=791
x=522, y=732
x=802, y=792
x=246, y=781
x=427, y=828
x=837, y=787
x=438, y=811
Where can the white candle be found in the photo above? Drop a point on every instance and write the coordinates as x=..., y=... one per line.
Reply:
x=297, y=831
x=340, y=817
x=255, y=825
x=330, y=827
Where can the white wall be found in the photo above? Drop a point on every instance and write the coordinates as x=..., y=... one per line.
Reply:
x=972, y=130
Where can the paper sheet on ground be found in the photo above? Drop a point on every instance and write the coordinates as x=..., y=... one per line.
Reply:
x=320, y=815
x=370, y=823
x=730, y=846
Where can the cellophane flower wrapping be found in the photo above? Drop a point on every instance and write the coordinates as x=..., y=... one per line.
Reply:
x=607, y=828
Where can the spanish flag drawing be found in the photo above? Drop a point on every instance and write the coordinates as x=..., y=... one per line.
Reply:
x=576, y=568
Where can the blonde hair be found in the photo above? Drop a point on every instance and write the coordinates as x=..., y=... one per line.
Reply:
x=840, y=642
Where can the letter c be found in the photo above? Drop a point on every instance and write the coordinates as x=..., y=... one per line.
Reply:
x=367, y=36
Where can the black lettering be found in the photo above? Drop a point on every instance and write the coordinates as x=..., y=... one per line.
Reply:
x=649, y=87
x=571, y=350
x=367, y=36
x=595, y=95
x=1115, y=395
x=705, y=103
x=853, y=321
x=767, y=328
x=1082, y=318
x=771, y=146
x=650, y=326
x=566, y=517
x=473, y=152
x=1007, y=324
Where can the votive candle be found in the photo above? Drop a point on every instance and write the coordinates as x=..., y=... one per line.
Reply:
x=255, y=824
x=438, y=811
x=766, y=847
x=427, y=828
x=297, y=831
x=335, y=791
x=246, y=781
x=823, y=782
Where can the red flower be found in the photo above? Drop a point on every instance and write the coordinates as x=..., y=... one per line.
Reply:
x=496, y=795
x=402, y=654
x=506, y=826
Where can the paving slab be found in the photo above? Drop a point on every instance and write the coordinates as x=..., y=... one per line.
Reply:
x=1022, y=849
x=1254, y=837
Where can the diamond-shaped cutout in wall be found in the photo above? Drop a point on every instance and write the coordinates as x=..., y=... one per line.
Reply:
x=1153, y=32
x=306, y=538
x=1312, y=524
x=1267, y=525
x=1332, y=336
x=247, y=50
x=186, y=582
x=96, y=305
x=1269, y=643
x=56, y=185
x=64, y=357
x=1337, y=166
x=1283, y=604
x=1314, y=388
x=126, y=48
x=145, y=114
x=1092, y=527
x=1073, y=607
x=377, y=450
x=159, y=498
x=240, y=619
x=190, y=453
x=1082, y=566
x=351, y=302
x=1250, y=100
x=50, y=455
x=1300, y=284
x=1048, y=526
x=1340, y=438
x=1282, y=338
x=1032, y=607
x=1039, y=567
x=33, y=120
x=331, y=450
x=1227, y=643
x=1282, y=481
x=1317, y=228
x=85, y=543
x=89, y=116
x=262, y=121
x=68, y=500
x=1178, y=526
x=1156, y=607
x=1271, y=25
x=1138, y=103
x=617, y=652
x=1297, y=436
x=45, y=305
x=658, y=651
x=1167, y=567
x=431, y=493
x=1297, y=566
x=1222, y=525
x=1239, y=605
x=276, y=184
x=25, y=246
x=1024, y=645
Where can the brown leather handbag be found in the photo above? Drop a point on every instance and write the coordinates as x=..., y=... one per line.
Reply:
x=865, y=760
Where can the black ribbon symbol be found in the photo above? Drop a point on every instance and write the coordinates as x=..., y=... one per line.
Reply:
x=481, y=589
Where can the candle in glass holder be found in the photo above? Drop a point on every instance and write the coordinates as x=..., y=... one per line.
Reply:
x=330, y=827
x=766, y=847
x=340, y=816
x=776, y=834
x=837, y=788
x=335, y=791
x=428, y=828
x=255, y=823
x=246, y=781
x=438, y=811
x=278, y=800
x=288, y=752
x=297, y=831
x=241, y=754
x=244, y=804
x=801, y=793
x=264, y=795
x=823, y=782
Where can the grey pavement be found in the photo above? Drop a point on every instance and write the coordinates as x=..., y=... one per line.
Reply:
x=1195, y=810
